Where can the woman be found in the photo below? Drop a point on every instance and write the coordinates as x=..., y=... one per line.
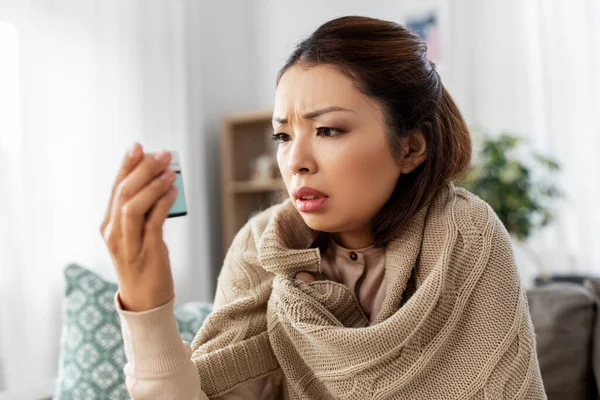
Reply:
x=377, y=278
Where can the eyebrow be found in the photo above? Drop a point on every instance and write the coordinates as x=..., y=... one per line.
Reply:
x=314, y=114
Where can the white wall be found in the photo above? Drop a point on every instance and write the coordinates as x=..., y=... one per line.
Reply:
x=222, y=63
x=282, y=24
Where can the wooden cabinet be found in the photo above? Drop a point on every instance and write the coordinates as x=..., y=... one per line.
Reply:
x=244, y=138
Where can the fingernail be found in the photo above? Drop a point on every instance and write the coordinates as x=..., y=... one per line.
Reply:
x=133, y=150
x=162, y=155
x=168, y=175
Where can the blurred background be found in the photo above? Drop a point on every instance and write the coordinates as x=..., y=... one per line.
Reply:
x=81, y=80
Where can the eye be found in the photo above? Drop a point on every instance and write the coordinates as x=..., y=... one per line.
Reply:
x=329, y=132
x=280, y=137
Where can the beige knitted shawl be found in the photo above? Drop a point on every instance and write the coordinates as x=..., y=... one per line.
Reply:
x=454, y=323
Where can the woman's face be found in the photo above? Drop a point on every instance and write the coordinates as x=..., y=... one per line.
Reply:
x=333, y=143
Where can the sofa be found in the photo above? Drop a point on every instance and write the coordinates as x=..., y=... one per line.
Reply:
x=566, y=320
x=565, y=317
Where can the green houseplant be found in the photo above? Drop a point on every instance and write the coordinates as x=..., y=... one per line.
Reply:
x=516, y=183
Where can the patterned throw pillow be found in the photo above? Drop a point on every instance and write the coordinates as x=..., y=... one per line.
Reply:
x=92, y=355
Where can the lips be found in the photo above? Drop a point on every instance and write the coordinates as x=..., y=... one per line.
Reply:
x=307, y=193
x=309, y=199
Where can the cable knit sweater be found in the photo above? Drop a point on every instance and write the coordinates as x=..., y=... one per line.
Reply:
x=454, y=322
x=361, y=270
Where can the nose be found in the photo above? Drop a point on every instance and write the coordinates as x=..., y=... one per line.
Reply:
x=301, y=159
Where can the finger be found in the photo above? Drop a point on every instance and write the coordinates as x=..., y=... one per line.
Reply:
x=131, y=159
x=141, y=176
x=305, y=276
x=159, y=213
x=147, y=170
x=134, y=212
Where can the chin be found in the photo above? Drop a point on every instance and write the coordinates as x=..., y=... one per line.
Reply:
x=320, y=222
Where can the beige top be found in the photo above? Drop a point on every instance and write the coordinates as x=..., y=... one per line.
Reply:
x=361, y=270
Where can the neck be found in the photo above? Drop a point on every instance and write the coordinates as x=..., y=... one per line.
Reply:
x=353, y=240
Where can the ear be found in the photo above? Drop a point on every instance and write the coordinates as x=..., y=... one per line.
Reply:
x=413, y=152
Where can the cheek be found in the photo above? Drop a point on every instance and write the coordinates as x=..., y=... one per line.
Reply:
x=282, y=163
x=363, y=178
x=358, y=176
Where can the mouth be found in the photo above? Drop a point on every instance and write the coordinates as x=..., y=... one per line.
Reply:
x=309, y=199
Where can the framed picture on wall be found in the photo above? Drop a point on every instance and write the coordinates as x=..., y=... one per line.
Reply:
x=429, y=19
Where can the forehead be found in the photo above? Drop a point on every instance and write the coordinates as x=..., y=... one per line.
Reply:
x=302, y=89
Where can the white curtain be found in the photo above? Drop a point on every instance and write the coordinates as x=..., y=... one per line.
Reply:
x=533, y=68
x=83, y=80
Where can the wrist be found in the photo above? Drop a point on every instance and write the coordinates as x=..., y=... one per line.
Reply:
x=134, y=303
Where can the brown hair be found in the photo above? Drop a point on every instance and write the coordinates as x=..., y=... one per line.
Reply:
x=388, y=63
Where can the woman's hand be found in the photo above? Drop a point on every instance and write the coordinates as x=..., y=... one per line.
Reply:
x=139, y=203
x=308, y=277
